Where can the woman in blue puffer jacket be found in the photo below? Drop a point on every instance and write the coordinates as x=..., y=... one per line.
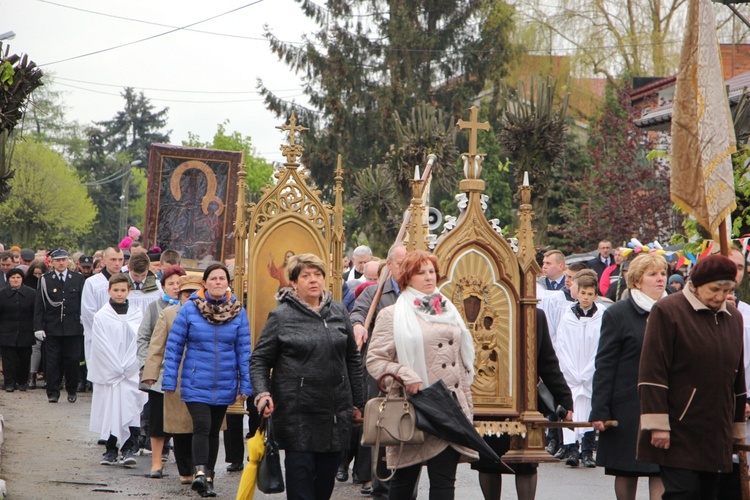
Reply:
x=212, y=333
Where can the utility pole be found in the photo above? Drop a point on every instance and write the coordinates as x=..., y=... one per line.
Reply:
x=125, y=196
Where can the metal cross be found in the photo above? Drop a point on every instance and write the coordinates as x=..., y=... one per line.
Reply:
x=474, y=126
x=292, y=151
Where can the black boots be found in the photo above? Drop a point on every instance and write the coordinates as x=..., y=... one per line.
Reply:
x=32, y=380
x=209, y=485
x=199, y=483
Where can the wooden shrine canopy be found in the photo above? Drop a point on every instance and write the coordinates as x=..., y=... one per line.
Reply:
x=490, y=279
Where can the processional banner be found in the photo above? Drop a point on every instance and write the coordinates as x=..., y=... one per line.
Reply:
x=702, y=181
x=191, y=202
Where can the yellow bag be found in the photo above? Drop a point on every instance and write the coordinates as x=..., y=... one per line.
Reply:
x=255, y=450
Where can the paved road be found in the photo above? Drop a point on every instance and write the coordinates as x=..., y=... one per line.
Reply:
x=49, y=453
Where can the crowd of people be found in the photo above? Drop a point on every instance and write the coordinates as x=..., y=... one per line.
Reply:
x=166, y=352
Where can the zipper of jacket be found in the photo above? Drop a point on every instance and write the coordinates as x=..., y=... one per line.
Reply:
x=216, y=359
x=333, y=393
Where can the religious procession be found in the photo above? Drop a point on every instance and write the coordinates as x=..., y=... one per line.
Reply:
x=192, y=320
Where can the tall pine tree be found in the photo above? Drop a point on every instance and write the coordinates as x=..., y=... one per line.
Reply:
x=370, y=59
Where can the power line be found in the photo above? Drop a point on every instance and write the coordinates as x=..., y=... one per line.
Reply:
x=151, y=23
x=55, y=78
x=228, y=101
x=158, y=35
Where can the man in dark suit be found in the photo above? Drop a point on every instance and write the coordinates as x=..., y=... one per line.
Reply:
x=6, y=264
x=57, y=322
x=603, y=260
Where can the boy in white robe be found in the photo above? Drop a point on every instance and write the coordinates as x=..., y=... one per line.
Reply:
x=117, y=402
x=576, y=345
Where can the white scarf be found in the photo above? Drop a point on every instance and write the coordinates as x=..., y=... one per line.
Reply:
x=409, y=339
x=642, y=300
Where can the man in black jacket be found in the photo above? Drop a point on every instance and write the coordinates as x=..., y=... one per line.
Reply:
x=57, y=321
x=603, y=260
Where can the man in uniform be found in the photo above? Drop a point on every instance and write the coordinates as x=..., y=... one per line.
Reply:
x=57, y=321
x=86, y=266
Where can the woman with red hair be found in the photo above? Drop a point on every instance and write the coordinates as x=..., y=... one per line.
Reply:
x=422, y=339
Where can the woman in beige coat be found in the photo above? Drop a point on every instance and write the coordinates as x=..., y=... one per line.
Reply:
x=177, y=420
x=423, y=339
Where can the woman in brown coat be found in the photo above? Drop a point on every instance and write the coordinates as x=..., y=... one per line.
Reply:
x=177, y=420
x=422, y=339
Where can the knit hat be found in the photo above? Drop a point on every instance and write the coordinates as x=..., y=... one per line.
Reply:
x=125, y=243
x=134, y=232
x=713, y=268
x=13, y=271
x=676, y=278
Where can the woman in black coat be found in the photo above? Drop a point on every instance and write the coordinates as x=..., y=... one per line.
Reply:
x=16, y=330
x=316, y=386
x=615, y=389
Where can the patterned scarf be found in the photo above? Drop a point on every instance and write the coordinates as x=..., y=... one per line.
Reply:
x=217, y=312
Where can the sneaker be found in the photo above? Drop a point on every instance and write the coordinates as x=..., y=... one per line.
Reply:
x=561, y=453
x=128, y=458
x=109, y=458
x=587, y=460
x=144, y=452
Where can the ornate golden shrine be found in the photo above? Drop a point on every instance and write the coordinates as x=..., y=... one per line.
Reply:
x=290, y=216
x=494, y=288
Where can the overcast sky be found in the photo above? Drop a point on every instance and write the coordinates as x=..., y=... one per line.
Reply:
x=202, y=78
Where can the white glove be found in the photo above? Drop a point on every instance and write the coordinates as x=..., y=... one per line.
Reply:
x=40, y=335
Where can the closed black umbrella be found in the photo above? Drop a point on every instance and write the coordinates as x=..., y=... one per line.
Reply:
x=439, y=414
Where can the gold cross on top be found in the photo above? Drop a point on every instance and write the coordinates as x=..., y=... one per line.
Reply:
x=292, y=150
x=474, y=126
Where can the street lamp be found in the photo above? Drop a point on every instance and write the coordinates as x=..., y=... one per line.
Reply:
x=125, y=196
x=8, y=35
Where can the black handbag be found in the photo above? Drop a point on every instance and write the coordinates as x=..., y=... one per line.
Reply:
x=270, y=478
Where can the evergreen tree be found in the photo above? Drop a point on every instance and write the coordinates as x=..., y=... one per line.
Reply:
x=112, y=145
x=370, y=59
x=135, y=128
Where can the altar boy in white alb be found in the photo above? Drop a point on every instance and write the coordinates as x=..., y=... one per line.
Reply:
x=117, y=402
x=575, y=345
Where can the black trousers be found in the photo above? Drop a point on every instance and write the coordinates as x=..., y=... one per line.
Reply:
x=183, y=453
x=130, y=444
x=16, y=362
x=441, y=470
x=310, y=475
x=234, y=439
x=63, y=354
x=207, y=421
x=684, y=484
x=234, y=446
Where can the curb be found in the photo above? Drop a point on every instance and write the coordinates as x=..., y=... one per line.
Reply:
x=2, y=481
